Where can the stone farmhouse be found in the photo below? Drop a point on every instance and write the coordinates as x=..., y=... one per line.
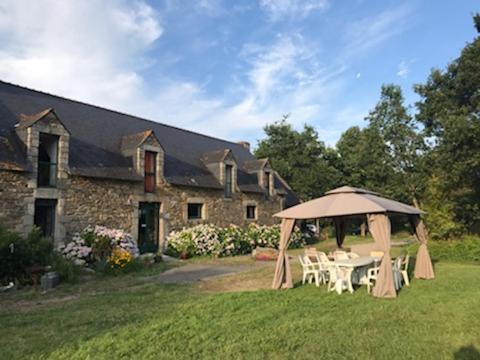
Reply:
x=65, y=165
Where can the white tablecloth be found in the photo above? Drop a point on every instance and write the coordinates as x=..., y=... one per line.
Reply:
x=360, y=267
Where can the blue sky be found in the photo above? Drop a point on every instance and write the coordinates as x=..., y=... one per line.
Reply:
x=227, y=68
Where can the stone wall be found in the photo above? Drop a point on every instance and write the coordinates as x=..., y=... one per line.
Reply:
x=91, y=201
x=14, y=195
x=114, y=203
x=219, y=210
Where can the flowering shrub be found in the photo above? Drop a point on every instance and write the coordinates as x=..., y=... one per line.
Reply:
x=77, y=250
x=233, y=240
x=119, y=259
x=98, y=244
x=118, y=238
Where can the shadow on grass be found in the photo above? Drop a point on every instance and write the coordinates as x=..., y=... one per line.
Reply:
x=467, y=353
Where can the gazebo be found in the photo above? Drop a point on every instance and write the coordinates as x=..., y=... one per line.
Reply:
x=345, y=202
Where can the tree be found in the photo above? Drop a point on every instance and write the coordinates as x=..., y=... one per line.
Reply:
x=404, y=145
x=300, y=158
x=449, y=109
x=364, y=159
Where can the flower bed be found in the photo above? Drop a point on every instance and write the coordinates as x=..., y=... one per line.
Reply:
x=100, y=244
x=216, y=241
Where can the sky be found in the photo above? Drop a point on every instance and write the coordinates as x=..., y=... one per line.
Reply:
x=228, y=68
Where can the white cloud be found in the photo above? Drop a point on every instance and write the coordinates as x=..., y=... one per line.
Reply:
x=367, y=33
x=278, y=9
x=403, y=69
x=280, y=78
x=211, y=7
x=89, y=50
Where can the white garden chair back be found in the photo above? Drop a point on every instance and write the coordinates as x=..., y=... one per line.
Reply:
x=323, y=258
x=404, y=270
x=340, y=255
x=397, y=276
x=353, y=255
x=372, y=274
x=376, y=253
x=312, y=256
x=339, y=278
x=310, y=272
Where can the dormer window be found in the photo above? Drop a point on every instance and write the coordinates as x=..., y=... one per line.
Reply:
x=228, y=181
x=47, y=160
x=150, y=171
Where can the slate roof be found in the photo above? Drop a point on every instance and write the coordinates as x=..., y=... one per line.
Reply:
x=135, y=140
x=96, y=141
x=215, y=156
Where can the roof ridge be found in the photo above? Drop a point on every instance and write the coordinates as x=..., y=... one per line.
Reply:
x=118, y=112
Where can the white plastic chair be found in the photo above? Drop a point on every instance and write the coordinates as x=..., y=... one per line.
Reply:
x=340, y=255
x=397, y=276
x=323, y=257
x=353, y=255
x=326, y=262
x=339, y=279
x=312, y=257
x=310, y=272
x=404, y=270
x=376, y=253
x=372, y=275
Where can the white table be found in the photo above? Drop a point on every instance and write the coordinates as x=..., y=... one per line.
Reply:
x=358, y=268
x=357, y=262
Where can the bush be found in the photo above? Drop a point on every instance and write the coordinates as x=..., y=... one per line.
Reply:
x=65, y=268
x=466, y=249
x=18, y=253
x=211, y=240
x=13, y=257
x=96, y=245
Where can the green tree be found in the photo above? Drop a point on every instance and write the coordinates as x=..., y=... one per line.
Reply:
x=364, y=160
x=300, y=158
x=403, y=144
x=449, y=109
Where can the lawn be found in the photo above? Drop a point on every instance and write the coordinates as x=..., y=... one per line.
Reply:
x=135, y=317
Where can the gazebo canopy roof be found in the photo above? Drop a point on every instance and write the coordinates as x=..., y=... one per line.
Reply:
x=347, y=201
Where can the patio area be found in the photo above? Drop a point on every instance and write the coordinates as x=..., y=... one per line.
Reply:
x=340, y=269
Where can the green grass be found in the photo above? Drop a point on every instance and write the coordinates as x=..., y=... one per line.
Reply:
x=130, y=317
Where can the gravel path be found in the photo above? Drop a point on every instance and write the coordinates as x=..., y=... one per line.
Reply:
x=192, y=273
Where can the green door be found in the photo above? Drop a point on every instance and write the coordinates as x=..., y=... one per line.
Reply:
x=148, y=227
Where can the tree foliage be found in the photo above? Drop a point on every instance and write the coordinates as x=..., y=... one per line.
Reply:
x=300, y=158
x=449, y=109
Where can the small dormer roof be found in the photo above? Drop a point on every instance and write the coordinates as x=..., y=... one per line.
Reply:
x=27, y=121
x=133, y=141
x=255, y=165
x=216, y=156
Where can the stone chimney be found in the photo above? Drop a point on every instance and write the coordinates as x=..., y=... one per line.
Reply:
x=245, y=144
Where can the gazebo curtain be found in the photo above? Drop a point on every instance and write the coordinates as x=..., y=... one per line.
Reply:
x=423, y=264
x=379, y=227
x=339, y=230
x=283, y=274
